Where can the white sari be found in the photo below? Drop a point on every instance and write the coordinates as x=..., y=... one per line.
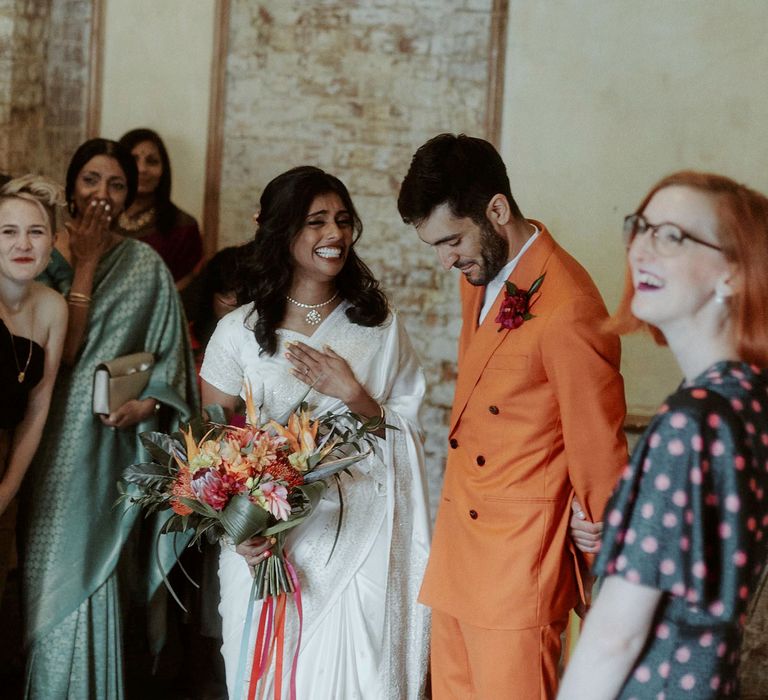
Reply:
x=364, y=635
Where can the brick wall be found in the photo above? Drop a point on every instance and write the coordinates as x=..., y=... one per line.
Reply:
x=355, y=87
x=43, y=83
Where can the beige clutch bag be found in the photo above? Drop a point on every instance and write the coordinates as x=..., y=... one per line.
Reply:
x=120, y=380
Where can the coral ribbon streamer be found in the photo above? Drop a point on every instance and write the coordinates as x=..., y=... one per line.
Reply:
x=279, y=644
x=264, y=646
x=262, y=653
x=270, y=642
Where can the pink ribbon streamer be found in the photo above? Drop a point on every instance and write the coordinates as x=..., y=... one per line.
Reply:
x=297, y=601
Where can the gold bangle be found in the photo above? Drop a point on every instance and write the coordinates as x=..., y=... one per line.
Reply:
x=76, y=296
x=381, y=412
x=79, y=302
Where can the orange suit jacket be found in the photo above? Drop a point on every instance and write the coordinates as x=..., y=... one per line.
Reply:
x=537, y=416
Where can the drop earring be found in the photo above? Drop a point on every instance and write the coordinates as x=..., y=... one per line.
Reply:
x=722, y=292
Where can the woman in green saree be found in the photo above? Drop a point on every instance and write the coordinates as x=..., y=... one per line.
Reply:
x=122, y=300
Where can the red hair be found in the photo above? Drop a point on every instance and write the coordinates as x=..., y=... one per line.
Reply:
x=742, y=230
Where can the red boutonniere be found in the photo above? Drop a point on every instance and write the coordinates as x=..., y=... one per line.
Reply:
x=516, y=305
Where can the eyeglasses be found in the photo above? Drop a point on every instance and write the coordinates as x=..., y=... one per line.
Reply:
x=666, y=239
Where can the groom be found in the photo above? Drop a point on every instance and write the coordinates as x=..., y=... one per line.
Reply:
x=536, y=421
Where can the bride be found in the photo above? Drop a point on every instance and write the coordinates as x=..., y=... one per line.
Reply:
x=316, y=317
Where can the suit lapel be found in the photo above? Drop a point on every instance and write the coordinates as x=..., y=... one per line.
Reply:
x=480, y=342
x=471, y=302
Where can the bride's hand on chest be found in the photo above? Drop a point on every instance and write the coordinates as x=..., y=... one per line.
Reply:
x=325, y=371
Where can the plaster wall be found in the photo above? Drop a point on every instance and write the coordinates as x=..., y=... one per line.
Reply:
x=156, y=74
x=601, y=100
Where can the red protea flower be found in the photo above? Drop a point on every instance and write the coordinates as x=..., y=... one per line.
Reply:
x=281, y=470
x=214, y=488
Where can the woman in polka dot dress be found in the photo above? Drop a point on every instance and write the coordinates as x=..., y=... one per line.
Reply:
x=685, y=532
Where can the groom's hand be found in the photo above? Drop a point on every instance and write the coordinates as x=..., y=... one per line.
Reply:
x=585, y=535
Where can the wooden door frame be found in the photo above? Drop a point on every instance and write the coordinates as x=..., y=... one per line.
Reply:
x=497, y=53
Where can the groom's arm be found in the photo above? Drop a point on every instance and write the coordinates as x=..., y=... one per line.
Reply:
x=582, y=364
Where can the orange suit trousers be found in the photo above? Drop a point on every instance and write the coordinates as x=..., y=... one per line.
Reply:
x=473, y=663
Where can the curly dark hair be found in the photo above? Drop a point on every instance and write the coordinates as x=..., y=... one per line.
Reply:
x=267, y=273
x=464, y=171
x=166, y=210
x=218, y=276
x=100, y=147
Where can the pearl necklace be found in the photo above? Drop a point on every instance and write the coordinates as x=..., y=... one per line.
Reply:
x=313, y=316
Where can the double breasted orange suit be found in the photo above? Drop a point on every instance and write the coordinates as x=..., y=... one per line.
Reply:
x=537, y=417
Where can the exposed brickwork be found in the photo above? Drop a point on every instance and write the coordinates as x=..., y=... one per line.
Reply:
x=43, y=82
x=355, y=87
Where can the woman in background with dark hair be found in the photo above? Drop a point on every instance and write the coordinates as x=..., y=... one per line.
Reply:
x=152, y=217
x=314, y=315
x=121, y=300
x=212, y=295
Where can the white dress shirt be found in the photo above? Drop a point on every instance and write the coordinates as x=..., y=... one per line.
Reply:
x=493, y=287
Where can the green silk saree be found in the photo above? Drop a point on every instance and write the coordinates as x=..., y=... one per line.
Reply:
x=71, y=534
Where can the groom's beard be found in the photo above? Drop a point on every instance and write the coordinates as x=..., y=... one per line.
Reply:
x=494, y=251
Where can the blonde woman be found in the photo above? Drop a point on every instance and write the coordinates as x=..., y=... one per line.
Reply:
x=33, y=322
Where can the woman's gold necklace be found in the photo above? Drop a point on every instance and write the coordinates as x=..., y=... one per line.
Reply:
x=313, y=316
x=21, y=372
x=128, y=223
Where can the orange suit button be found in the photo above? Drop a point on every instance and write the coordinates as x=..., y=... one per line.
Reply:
x=480, y=460
x=473, y=514
x=494, y=410
x=454, y=443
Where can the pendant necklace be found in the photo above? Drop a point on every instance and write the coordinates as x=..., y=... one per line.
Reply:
x=21, y=372
x=313, y=316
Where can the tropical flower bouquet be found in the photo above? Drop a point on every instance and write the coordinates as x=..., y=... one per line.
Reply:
x=239, y=482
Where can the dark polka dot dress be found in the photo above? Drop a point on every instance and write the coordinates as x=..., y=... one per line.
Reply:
x=689, y=518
